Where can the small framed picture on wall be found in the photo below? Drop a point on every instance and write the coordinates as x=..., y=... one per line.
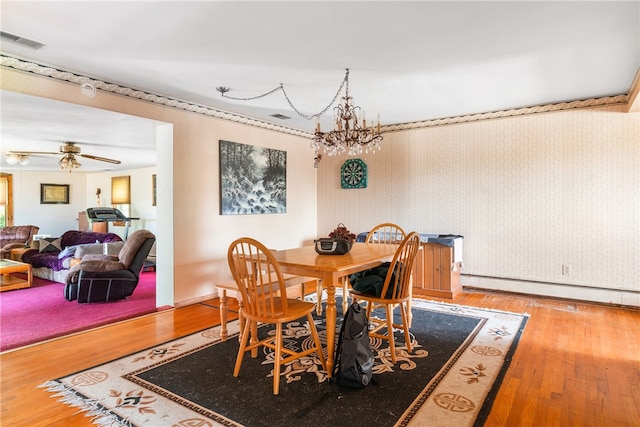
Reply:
x=54, y=194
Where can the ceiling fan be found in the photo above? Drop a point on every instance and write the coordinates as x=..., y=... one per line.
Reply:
x=68, y=161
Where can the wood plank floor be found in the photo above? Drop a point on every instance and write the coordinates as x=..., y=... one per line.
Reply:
x=577, y=364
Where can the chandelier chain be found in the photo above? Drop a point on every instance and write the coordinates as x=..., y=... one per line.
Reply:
x=351, y=134
x=223, y=90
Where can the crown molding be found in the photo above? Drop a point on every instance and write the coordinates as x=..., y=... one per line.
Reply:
x=53, y=73
x=587, y=103
x=41, y=70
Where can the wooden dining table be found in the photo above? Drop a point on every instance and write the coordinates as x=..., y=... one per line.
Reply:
x=331, y=269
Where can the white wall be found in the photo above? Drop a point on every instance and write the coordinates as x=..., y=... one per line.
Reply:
x=52, y=219
x=195, y=237
x=529, y=194
x=58, y=218
x=141, y=197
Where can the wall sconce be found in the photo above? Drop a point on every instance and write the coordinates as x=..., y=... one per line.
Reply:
x=120, y=190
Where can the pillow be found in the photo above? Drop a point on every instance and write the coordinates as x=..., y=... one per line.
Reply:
x=50, y=244
x=70, y=250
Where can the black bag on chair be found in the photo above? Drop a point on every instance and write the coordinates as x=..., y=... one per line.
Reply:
x=354, y=358
x=370, y=281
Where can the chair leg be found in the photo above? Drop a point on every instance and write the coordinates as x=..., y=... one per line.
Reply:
x=316, y=339
x=392, y=344
x=254, y=339
x=405, y=326
x=243, y=347
x=277, y=361
x=369, y=309
x=345, y=294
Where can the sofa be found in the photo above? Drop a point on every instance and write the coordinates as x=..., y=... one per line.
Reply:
x=52, y=258
x=16, y=236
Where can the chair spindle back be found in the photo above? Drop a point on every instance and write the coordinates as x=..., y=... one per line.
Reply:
x=258, y=276
x=386, y=233
x=401, y=268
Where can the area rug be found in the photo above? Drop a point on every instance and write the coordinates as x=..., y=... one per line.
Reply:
x=450, y=379
x=41, y=312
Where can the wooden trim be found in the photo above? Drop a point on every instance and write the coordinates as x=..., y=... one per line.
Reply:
x=633, y=100
x=9, y=178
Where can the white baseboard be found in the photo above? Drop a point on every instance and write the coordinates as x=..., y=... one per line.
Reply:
x=558, y=290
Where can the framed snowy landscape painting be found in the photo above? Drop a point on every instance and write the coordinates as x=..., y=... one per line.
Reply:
x=253, y=180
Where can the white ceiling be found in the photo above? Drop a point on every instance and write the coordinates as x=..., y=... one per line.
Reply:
x=408, y=61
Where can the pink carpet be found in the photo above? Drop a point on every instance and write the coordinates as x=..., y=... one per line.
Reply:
x=41, y=312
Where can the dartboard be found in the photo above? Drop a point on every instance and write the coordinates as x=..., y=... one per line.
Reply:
x=353, y=174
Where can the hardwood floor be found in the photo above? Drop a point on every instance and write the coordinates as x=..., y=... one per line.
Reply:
x=577, y=364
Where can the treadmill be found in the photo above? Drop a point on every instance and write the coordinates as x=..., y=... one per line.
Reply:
x=110, y=215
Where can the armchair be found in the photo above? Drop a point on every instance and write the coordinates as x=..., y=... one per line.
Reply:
x=102, y=278
x=17, y=236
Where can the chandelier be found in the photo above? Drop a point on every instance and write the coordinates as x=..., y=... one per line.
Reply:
x=69, y=161
x=350, y=135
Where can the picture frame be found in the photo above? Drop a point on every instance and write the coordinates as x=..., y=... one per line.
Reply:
x=54, y=194
x=253, y=179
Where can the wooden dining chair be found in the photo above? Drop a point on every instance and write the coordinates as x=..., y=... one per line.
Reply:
x=262, y=285
x=395, y=291
x=386, y=232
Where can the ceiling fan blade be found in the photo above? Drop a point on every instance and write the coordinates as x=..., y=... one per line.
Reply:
x=28, y=153
x=102, y=159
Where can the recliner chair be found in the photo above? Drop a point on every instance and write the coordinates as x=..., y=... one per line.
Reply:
x=100, y=278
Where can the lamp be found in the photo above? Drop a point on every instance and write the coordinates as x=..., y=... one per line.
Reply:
x=120, y=190
x=69, y=161
x=350, y=134
x=14, y=159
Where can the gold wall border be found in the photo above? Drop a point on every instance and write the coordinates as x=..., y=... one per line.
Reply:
x=31, y=67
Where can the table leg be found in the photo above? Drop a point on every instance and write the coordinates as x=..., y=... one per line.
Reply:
x=331, y=328
x=224, y=333
x=319, y=297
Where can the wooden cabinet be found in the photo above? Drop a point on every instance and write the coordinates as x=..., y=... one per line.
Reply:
x=435, y=272
x=85, y=225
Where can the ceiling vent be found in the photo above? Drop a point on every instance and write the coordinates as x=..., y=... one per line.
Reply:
x=23, y=41
x=280, y=116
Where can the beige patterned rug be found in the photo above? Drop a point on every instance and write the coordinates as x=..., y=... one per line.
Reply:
x=450, y=379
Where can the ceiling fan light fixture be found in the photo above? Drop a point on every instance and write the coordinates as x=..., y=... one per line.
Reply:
x=69, y=161
x=14, y=159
